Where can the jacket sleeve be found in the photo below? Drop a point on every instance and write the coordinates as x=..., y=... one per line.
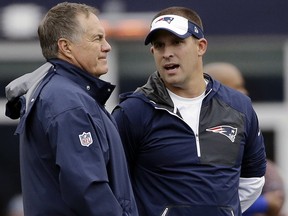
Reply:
x=82, y=152
x=129, y=134
x=254, y=162
x=249, y=190
x=254, y=158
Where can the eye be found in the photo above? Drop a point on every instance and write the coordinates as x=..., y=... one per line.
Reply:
x=177, y=42
x=157, y=45
x=98, y=37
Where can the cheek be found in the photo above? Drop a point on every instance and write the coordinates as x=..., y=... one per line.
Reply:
x=89, y=56
x=158, y=63
x=80, y=54
x=190, y=56
x=157, y=57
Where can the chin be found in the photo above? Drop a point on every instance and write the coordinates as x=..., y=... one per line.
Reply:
x=101, y=73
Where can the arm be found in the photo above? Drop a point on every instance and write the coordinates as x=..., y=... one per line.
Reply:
x=259, y=206
x=269, y=203
x=273, y=194
x=253, y=164
x=128, y=137
x=275, y=201
x=249, y=191
x=83, y=178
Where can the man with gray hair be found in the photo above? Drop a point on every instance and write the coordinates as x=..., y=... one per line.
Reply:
x=71, y=155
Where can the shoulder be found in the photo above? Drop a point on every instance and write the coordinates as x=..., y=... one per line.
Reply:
x=133, y=100
x=227, y=95
x=60, y=94
x=134, y=107
x=235, y=99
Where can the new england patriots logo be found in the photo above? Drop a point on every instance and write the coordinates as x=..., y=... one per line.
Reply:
x=165, y=19
x=226, y=130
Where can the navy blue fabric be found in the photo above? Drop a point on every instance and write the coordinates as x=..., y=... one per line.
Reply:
x=162, y=157
x=60, y=176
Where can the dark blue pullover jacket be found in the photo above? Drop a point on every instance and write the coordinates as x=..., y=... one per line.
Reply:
x=72, y=159
x=169, y=176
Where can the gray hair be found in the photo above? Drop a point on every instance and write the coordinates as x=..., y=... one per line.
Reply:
x=61, y=22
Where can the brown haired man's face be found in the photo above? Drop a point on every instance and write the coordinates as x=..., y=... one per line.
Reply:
x=177, y=60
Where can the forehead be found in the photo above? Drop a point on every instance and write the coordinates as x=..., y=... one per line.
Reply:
x=91, y=23
x=161, y=34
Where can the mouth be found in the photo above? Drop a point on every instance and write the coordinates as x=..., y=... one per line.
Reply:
x=103, y=60
x=171, y=66
x=102, y=57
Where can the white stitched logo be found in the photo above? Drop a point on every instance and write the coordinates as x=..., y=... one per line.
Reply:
x=85, y=139
x=226, y=130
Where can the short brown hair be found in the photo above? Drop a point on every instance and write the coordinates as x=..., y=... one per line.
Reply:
x=187, y=13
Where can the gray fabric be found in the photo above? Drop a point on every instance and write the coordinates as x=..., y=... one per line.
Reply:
x=27, y=83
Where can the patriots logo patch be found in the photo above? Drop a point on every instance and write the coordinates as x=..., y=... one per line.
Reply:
x=85, y=139
x=166, y=19
x=226, y=130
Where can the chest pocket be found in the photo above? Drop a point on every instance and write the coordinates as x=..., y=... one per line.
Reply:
x=222, y=135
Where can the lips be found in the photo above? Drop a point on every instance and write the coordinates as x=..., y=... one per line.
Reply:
x=171, y=66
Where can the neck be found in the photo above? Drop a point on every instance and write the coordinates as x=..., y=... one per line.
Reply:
x=191, y=90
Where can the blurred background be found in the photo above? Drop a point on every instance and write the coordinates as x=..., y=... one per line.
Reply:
x=253, y=35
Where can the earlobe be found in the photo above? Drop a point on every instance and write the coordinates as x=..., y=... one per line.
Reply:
x=202, y=46
x=64, y=47
x=152, y=49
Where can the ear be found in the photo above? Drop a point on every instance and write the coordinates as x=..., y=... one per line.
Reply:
x=202, y=46
x=152, y=49
x=64, y=48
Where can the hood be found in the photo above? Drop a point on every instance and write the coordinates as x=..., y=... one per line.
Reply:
x=23, y=86
x=29, y=81
x=156, y=91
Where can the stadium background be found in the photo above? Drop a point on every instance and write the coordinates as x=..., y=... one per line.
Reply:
x=250, y=34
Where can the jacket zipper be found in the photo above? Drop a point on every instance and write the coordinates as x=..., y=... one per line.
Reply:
x=165, y=212
x=198, y=145
x=196, y=134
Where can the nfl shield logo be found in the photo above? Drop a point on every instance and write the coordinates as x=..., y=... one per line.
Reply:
x=85, y=139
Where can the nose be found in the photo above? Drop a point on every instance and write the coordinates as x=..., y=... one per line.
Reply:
x=167, y=52
x=106, y=47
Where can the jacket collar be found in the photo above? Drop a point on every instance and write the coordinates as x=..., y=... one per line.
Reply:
x=20, y=90
x=155, y=90
x=99, y=89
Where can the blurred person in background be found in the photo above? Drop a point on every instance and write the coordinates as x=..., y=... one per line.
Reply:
x=15, y=206
x=71, y=156
x=193, y=145
x=273, y=194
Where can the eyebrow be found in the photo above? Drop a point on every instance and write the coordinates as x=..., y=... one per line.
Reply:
x=95, y=35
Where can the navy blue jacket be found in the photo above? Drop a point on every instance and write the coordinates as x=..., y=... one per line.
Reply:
x=168, y=176
x=72, y=159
